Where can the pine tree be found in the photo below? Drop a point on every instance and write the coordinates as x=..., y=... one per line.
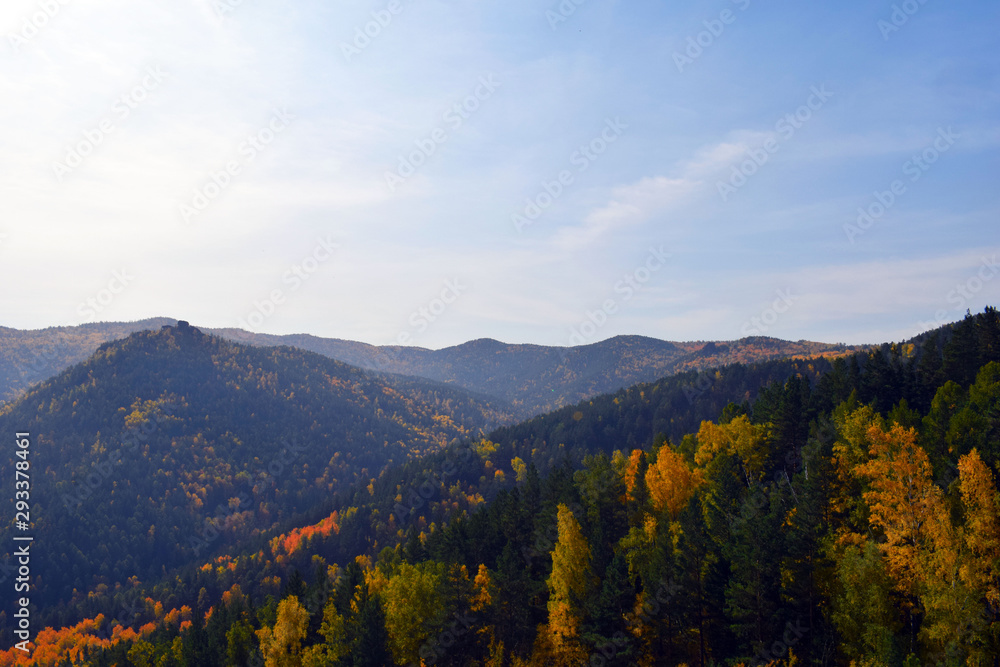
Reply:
x=239, y=643
x=961, y=353
x=863, y=607
x=753, y=595
x=516, y=611
x=930, y=369
x=607, y=632
x=978, y=424
x=988, y=329
x=370, y=647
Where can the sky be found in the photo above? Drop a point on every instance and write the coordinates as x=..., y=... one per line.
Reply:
x=426, y=173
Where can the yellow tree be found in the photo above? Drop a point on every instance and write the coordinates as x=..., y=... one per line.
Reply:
x=414, y=608
x=282, y=644
x=923, y=549
x=141, y=654
x=907, y=507
x=520, y=469
x=980, y=569
x=483, y=590
x=334, y=646
x=961, y=583
x=740, y=437
x=849, y=451
x=670, y=482
x=629, y=470
x=569, y=584
x=982, y=527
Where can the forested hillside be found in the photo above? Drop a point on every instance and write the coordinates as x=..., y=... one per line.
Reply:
x=29, y=357
x=847, y=512
x=165, y=435
x=532, y=379
x=536, y=378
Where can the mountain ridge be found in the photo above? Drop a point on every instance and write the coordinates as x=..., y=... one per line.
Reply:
x=158, y=428
x=533, y=378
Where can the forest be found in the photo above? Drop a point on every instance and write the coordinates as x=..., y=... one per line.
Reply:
x=816, y=511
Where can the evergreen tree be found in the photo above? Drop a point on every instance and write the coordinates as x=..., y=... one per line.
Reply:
x=370, y=647
x=961, y=353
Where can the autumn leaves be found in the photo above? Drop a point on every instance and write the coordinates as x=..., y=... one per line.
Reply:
x=937, y=551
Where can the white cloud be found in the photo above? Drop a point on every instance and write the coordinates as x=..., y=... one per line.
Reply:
x=654, y=196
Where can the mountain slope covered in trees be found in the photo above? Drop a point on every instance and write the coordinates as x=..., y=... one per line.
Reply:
x=29, y=357
x=155, y=434
x=830, y=513
x=531, y=378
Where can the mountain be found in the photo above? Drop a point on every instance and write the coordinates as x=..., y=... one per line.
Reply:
x=587, y=536
x=536, y=379
x=28, y=357
x=168, y=443
x=723, y=525
x=533, y=379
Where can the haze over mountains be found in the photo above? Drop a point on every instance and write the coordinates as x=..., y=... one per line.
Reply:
x=530, y=379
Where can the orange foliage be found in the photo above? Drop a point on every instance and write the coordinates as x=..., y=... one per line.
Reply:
x=294, y=540
x=908, y=507
x=670, y=482
x=632, y=471
x=52, y=646
x=234, y=594
x=982, y=535
x=173, y=617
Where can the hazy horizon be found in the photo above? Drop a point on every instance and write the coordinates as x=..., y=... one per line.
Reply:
x=595, y=341
x=387, y=170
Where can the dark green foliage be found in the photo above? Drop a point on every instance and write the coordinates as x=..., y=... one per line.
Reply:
x=369, y=648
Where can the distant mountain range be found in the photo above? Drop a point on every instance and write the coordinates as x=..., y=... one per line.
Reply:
x=528, y=379
x=162, y=442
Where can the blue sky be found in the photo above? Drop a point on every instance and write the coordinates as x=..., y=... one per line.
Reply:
x=521, y=170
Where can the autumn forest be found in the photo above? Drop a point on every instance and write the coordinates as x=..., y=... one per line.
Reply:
x=205, y=502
